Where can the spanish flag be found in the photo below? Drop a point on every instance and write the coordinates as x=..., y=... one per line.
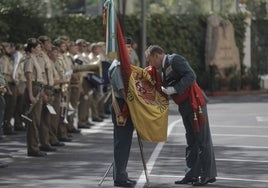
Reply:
x=147, y=105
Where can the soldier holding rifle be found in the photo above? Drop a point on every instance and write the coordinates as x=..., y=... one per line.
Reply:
x=34, y=83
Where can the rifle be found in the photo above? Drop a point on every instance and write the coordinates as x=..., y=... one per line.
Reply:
x=27, y=113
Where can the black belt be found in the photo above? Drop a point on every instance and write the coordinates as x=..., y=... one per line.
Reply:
x=49, y=87
x=56, y=91
x=38, y=84
x=12, y=83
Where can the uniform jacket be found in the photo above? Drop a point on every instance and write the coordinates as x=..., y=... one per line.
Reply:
x=178, y=73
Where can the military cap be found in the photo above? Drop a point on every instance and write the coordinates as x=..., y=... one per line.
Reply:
x=80, y=41
x=128, y=40
x=58, y=42
x=31, y=43
x=64, y=37
x=94, y=45
x=101, y=43
x=72, y=43
x=44, y=38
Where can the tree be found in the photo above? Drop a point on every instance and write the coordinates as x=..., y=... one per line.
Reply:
x=258, y=8
x=20, y=20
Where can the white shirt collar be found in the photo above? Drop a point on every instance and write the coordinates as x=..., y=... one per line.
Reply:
x=164, y=60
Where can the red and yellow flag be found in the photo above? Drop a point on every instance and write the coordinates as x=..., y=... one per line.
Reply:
x=147, y=105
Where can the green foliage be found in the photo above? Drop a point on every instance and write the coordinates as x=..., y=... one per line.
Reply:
x=251, y=80
x=88, y=28
x=239, y=32
x=183, y=34
x=19, y=22
x=258, y=8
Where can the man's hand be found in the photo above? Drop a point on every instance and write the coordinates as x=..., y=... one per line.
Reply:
x=168, y=90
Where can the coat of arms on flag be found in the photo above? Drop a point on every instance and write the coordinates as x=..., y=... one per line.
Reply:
x=148, y=106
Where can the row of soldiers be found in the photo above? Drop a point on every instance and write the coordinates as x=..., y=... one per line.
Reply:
x=44, y=89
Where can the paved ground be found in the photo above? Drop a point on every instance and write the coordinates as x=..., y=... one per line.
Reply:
x=239, y=126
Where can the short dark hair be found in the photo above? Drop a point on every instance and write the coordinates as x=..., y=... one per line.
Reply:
x=154, y=49
x=31, y=43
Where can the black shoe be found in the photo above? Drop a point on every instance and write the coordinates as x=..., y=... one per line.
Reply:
x=37, y=154
x=20, y=128
x=133, y=181
x=186, y=180
x=97, y=119
x=83, y=126
x=104, y=116
x=76, y=131
x=58, y=144
x=65, y=139
x=128, y=183
x=90, y=124
x=204, y=181
x=47, y=148
x=9, y=132
x=3, y=165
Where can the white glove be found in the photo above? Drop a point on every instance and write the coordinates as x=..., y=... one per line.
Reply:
x=168, y=90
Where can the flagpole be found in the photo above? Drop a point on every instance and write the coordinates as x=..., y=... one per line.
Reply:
x=105, y=174
x=143, y=161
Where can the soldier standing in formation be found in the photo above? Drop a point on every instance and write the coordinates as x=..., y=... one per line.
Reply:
x=86, y=88
x=11, y=94
x=34, y=83
x=2, y=106
x=19, y=77
x=62, y=67
x=35, y=80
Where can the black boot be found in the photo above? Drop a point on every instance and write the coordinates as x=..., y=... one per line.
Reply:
x=7, y=129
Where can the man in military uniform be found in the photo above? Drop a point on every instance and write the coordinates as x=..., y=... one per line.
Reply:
x=56, y=119
x=19, y=78
x=11, y=94
x=62, y=67
x=75, y=86
x=179, y=81
x=2, y=99
x=2, y=106
x=48, y=135
x=122, y=133
x=34, y=93
x=94, y=56
x=86, y=93
x=67, y=51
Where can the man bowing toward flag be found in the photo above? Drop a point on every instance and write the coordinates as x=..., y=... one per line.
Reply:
x=179, y=81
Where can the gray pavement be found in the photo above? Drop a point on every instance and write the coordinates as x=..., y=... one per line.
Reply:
x=239, y=126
